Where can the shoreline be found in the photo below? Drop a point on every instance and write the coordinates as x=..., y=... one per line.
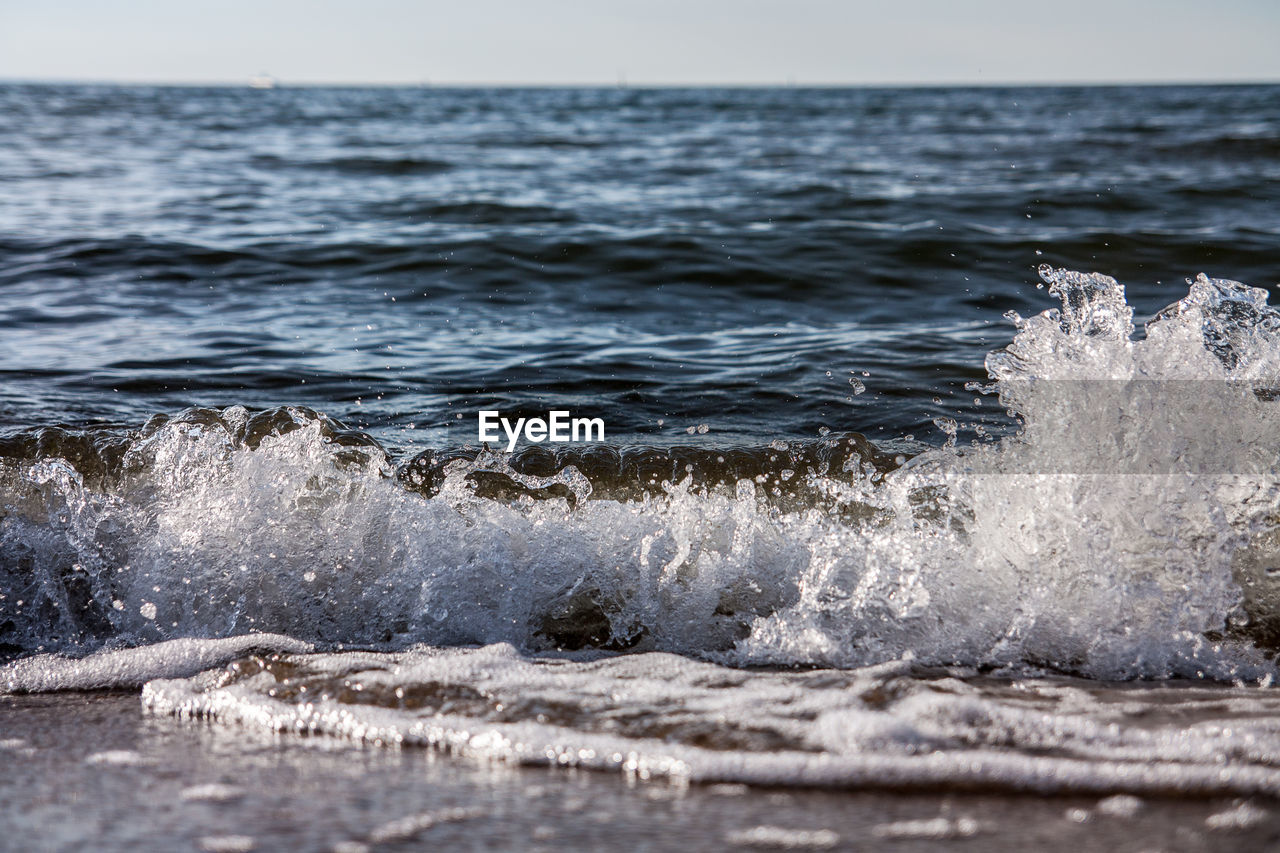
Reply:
x=93, y=770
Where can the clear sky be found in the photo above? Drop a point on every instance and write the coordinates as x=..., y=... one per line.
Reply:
x=641, y=41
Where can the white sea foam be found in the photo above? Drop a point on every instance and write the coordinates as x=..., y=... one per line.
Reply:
x=1240, y=816
x=213, y=792
x=655, y=715
x=119, y=758
x=781, y=838
x=133, y=667
x=227, y=844
x=937, y=828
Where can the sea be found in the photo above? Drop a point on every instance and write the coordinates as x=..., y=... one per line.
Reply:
x=937, y=500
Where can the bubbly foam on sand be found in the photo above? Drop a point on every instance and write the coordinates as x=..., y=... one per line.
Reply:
x=656, y=715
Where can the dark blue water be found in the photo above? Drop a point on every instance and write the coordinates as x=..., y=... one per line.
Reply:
x=397, y=258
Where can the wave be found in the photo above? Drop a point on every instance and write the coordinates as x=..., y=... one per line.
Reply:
x=1231, y=146
x=472, y=212
x=826, y=613
x=364, y=166
x=1128, y=529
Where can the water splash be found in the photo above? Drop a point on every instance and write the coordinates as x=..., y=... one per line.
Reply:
x=1129, y=529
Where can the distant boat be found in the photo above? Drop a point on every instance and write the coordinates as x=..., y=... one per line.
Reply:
x=262, y=81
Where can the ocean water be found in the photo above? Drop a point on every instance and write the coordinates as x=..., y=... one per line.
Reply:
x=940, y=445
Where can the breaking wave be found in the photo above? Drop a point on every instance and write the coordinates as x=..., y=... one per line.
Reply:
x=1128, y=529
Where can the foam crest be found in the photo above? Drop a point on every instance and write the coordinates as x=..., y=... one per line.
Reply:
x=1109, y=537
x=126, y=668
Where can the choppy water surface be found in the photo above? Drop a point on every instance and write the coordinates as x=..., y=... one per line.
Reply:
x=247, y=334
x=396, y=257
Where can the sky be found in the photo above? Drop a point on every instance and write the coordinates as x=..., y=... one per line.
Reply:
x=657, y=42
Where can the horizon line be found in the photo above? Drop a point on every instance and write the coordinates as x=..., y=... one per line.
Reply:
x=278, y=83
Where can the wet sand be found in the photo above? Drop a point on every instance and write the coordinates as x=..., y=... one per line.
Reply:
x=92, y=771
